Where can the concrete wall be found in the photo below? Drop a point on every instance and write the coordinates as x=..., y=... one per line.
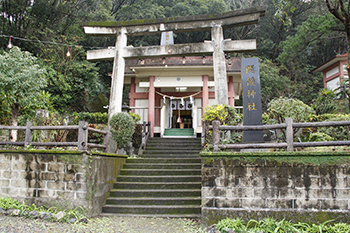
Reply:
x=234, y=187
x=64, y=179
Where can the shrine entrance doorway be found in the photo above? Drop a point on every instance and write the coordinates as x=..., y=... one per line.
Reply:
x=181, y=114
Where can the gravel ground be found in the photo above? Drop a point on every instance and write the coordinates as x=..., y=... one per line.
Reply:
x=100, y=224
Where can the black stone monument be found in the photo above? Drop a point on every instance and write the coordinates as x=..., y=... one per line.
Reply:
x=252, y=112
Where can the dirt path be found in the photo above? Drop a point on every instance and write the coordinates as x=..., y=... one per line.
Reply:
x=100, y=224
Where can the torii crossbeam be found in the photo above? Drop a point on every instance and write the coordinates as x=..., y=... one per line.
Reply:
x=216, y=47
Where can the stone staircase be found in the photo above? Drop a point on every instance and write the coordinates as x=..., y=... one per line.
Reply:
x=164, y=182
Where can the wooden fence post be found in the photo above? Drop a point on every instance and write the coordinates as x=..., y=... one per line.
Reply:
x=106, y=139
x=289, y=134
x=216, y=135
x=28, y=136
x=82, y=135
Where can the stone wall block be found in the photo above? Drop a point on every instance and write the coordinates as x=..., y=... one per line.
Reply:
x=308, y=204
x=280, y=203
x=56, y=167
x=65, y=177
x=279, y=182
x=208, y=181
x=227, y=202
x=19, y=183
x=48, y=194
x=213, y=192
x=5, y=158
x=9, y=192
x=48, y=176
x=80, y=195
x=253, y=203
x=65, y=194
x=15, y=158
x=221, y=182
x=46, y=158
x=343, y=193
x=332, y=204
x=28, y=192
x=38, y=184
x=4, y=183
x=240, y=192
x=58, y=185
x=80, y=177
x=295, y=193
x=19, y=166
x=74, y=186
x=10, y=174
x=234, y=182
x=75, y=168
x=33, y=166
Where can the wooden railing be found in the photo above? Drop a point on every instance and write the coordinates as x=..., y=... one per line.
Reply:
x=288, y=126
x=146, y=129
x=82, y=143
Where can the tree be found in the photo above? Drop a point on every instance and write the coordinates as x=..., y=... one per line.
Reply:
x=22, y=82
x=341, y=10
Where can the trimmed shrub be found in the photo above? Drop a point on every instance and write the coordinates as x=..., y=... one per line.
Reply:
x=122, y=128
x=283, y=107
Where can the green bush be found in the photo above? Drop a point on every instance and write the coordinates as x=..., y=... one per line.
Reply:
x=215, y=112
x=90, y=117
x=281, y=108
x=227, y=115
x=122, y=127
x=337, y=133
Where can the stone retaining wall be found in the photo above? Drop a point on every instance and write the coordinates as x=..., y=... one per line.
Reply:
x=64, y=179
x=236, y=187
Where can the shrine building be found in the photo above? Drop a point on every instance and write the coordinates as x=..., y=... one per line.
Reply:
x=171, y=84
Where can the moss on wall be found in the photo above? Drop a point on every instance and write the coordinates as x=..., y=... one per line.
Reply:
x=305, y=158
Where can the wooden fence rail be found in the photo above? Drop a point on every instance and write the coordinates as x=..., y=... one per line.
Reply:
x=82, y=143
x=288, y=126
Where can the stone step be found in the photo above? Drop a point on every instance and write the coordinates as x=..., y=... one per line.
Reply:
x=160, y=172
x=159, y=178
x=152, y=209
x=157, y=185
x=162, y=166
x=154, y=201
x=163, y=160
x=173, y=146
x=172, y=140
x=155, y=193
x=172, y=151
x=187, y=216
x=176, y=156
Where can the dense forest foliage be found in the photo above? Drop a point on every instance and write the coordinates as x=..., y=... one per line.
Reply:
x=294, y=37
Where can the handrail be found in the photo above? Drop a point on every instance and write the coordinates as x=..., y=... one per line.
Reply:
x=288, y=126
x=82, y=142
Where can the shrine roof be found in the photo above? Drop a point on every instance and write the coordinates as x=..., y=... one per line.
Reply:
x=337, y=58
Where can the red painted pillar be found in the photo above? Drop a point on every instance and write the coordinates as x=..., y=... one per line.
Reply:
x=157, y=104
x=131, y=94
x=231, y=92
x=205, y=92
x=151, y=103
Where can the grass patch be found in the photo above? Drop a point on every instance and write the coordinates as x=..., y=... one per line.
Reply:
x=271, y=225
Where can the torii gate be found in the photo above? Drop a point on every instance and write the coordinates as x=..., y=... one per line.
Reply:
x=216, y=47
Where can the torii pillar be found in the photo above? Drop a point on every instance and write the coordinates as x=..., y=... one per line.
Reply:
x=216, y=47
